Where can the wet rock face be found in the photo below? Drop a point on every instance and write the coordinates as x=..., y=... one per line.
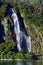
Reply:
x=32, y=32
x=2, y=32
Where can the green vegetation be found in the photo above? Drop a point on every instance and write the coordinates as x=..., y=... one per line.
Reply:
x=33, y=16
x=7, y=51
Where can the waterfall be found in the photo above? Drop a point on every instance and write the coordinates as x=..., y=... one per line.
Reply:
x=16, y=29
x=21, y=38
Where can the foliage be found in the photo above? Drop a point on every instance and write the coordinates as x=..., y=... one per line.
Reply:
x=33, y=15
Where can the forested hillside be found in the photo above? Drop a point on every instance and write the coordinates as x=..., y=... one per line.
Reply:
x=33, y=16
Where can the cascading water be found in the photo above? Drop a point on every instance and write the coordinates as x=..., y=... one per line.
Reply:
x=16, y=29
x=21, y=38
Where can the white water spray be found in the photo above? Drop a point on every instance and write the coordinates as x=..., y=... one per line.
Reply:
x=20, y=35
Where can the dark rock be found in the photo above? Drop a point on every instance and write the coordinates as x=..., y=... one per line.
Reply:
x=35, y=57
x=2, y=32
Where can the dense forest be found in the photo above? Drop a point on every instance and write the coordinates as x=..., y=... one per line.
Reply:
x=33, y=16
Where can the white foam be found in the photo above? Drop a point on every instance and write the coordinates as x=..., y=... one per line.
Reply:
x=17, y=31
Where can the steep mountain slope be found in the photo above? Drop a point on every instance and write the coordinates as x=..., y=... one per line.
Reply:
x=33, y=16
